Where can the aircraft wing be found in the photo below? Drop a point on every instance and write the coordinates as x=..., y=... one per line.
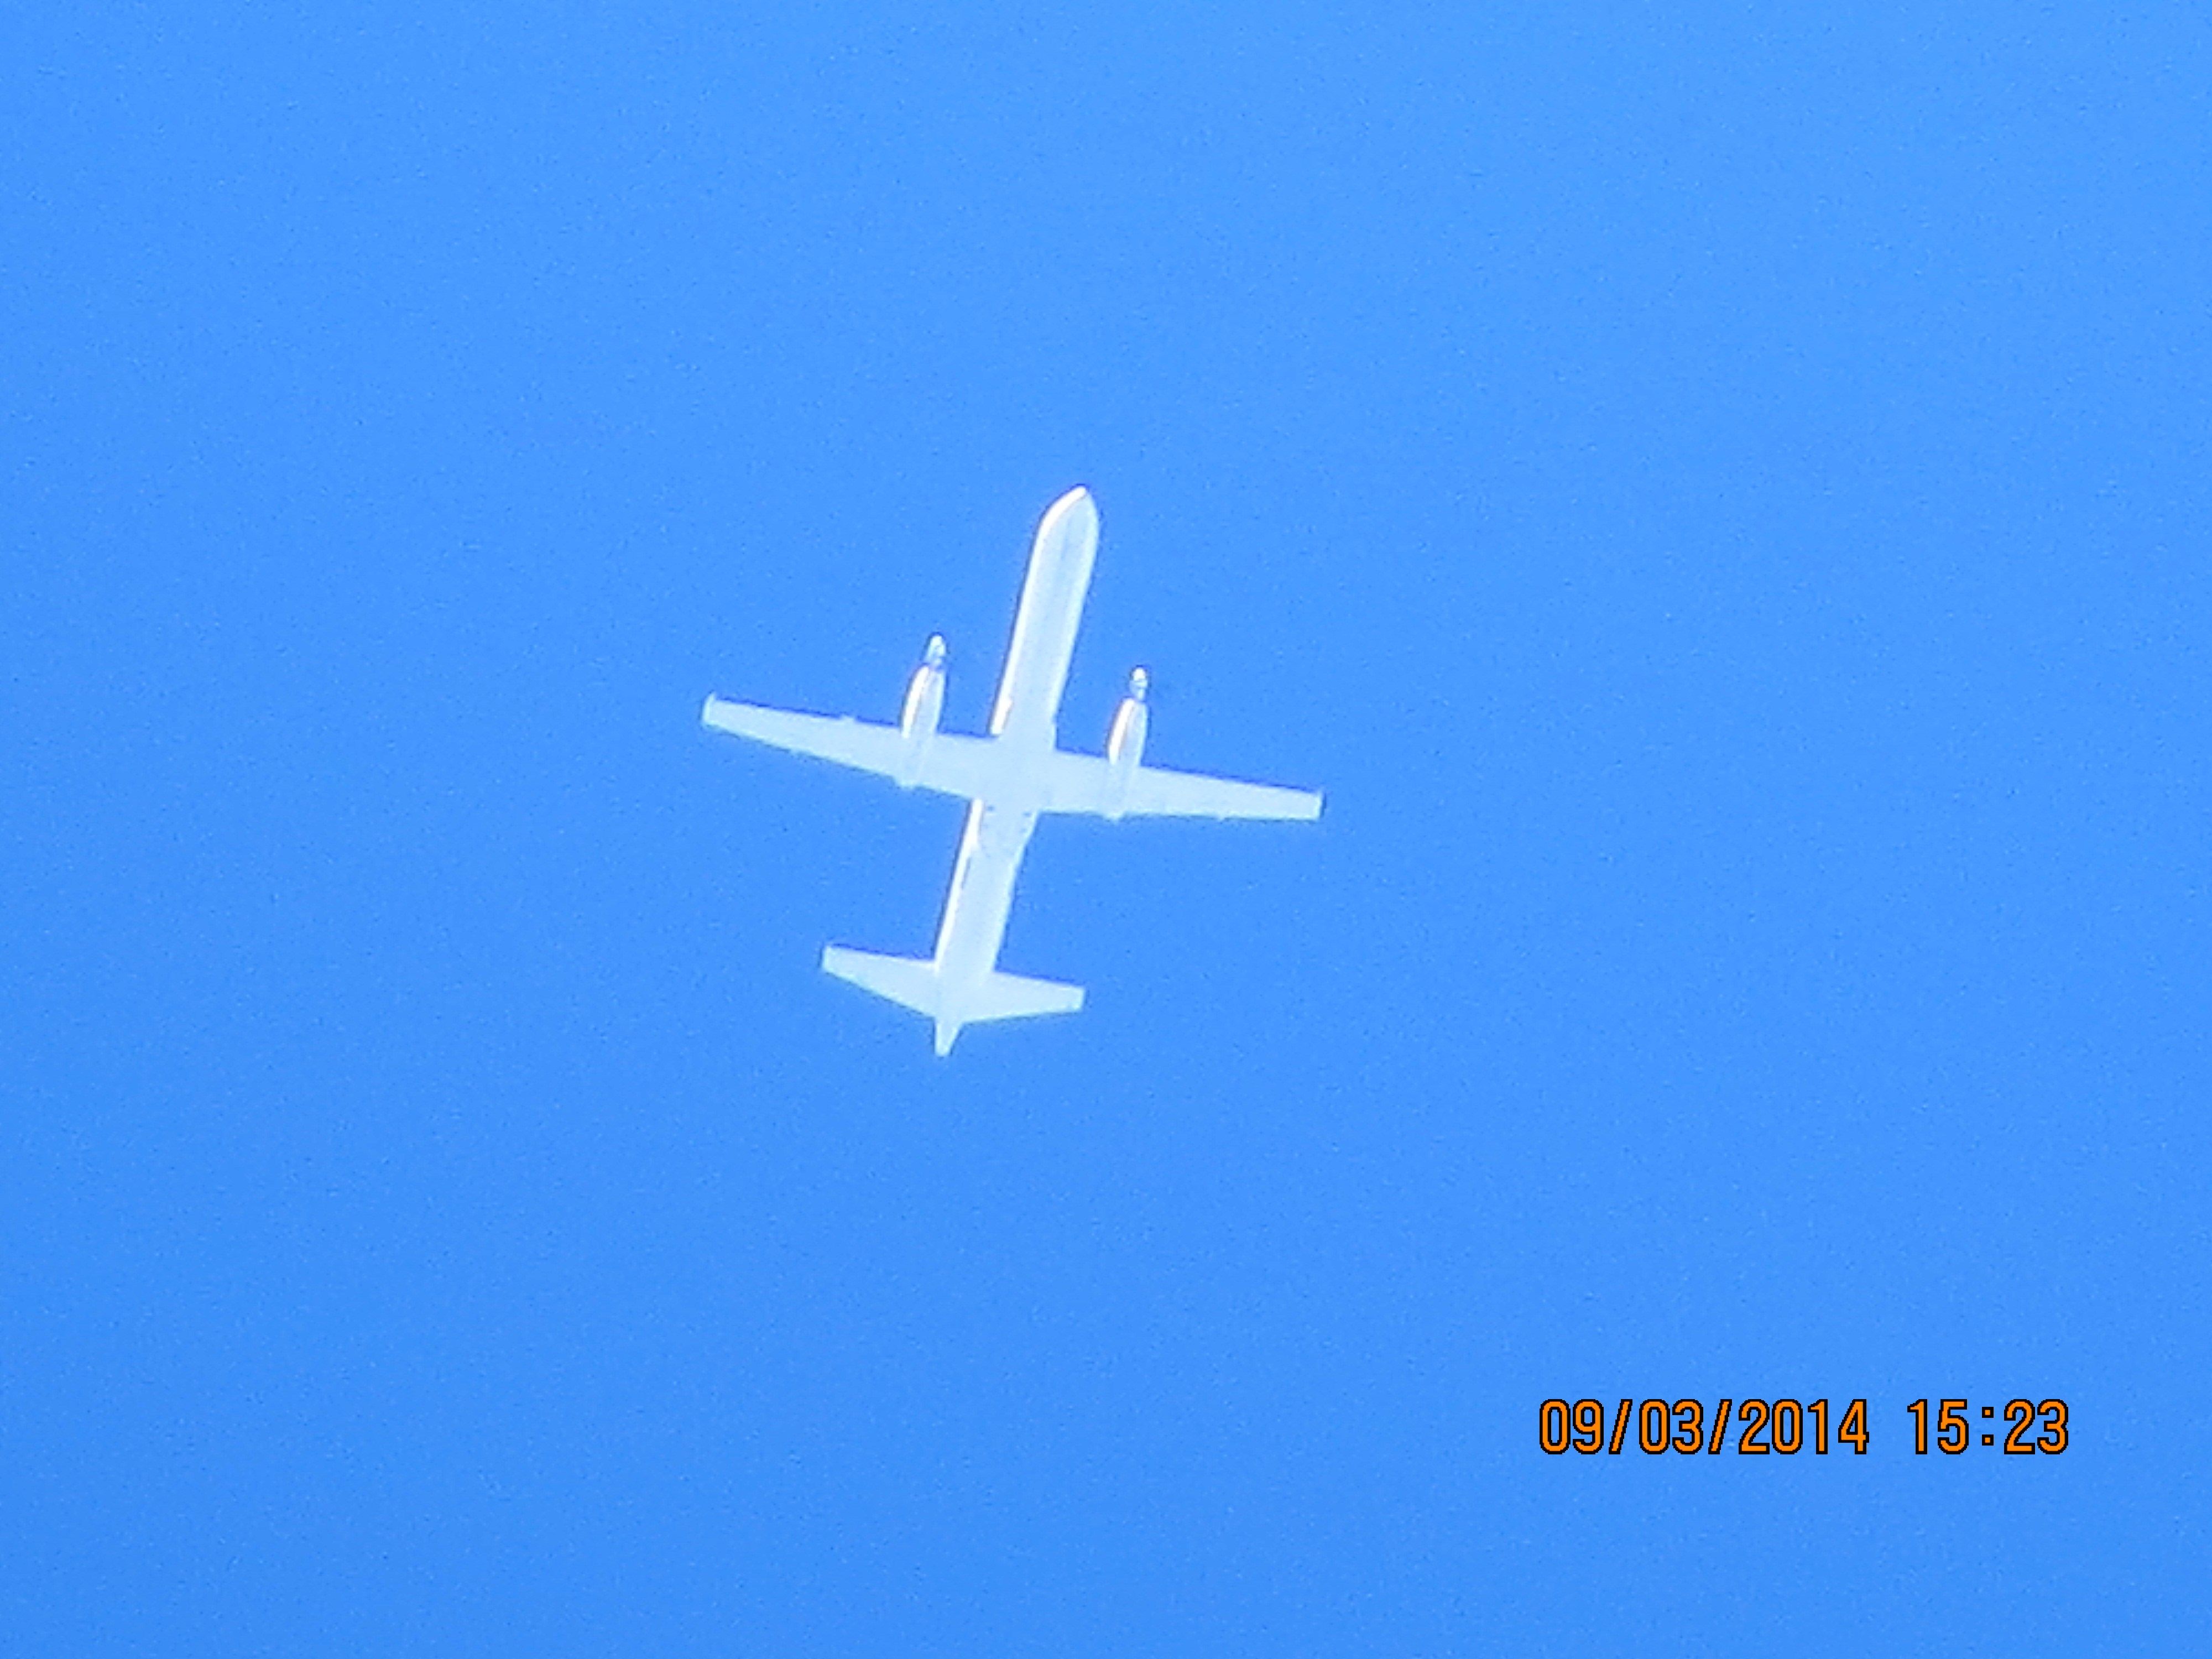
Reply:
x=1085, y=783
x=983, y=768
x=953, y=765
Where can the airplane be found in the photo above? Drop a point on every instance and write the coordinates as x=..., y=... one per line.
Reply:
x=1009, y=779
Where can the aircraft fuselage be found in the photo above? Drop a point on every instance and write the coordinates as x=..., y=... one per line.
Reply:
x=1026, y=715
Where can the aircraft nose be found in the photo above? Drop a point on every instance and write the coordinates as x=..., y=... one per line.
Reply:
x=1071, y=510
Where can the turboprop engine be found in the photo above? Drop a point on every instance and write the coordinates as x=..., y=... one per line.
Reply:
x=1124, y=743
x=925, y=703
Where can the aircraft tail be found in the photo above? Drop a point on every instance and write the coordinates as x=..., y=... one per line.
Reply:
x=1010, y=996
x=913, y=982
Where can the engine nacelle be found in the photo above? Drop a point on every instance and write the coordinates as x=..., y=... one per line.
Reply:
x=1124, y=743
x=925, y=704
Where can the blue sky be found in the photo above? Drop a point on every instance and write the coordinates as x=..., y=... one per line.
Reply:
x=1718, y=499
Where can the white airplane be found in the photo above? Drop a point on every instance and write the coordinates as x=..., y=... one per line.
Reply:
x=1009, y=779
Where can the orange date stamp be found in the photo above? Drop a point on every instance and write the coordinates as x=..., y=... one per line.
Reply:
x=1773, y=1427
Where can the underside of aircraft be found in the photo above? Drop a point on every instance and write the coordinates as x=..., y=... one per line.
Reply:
x=1010, y=777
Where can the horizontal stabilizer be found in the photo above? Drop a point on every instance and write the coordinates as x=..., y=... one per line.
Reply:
x=903, y=979
x=916, y=984
x=1010, y=996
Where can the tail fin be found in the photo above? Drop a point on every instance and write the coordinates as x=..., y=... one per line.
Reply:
x=914, y=983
